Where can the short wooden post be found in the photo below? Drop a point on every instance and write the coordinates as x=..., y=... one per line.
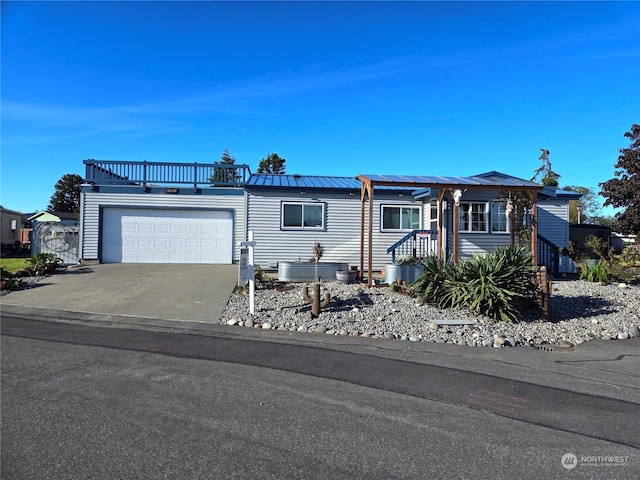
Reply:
x=544, y=284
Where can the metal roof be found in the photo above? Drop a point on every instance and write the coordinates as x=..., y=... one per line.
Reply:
x=304, y=181
x=390, y=182
x=491, y=179
x=259, y=180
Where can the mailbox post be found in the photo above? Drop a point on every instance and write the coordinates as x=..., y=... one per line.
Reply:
x=245, y=270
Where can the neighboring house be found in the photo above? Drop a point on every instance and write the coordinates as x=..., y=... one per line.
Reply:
x=146, y=212
x=11, y=224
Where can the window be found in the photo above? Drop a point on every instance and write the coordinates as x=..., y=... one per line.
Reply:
x=400, y=218
x=472, y=217
x=303, y=215
x=499, y=218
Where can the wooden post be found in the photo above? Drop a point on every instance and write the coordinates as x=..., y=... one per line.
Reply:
x=544, y=284
x=362, y=197
x=455, y=232
x=440, y=222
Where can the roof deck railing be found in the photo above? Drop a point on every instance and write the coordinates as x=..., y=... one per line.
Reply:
x=149, y=174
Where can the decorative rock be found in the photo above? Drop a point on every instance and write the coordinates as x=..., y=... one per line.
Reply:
x=241, y=323
x=497, y=345
x=595, y=321
x=330, y=332
x=342, y=333
x=622, y=285
x=266, y=326
x=510, y=342
x=635, y=331
x=606, y=336
x=355, y=309
x=232, y=322
x=487, y=342
x=433, y=326
x=413, y=338
x=349, y=320
x=366, y=335
x=497, y=339
x=320, y=330
x=301, y=328
x=388, y=336
x=623, y=336
x=248, y=323
x=257, y=325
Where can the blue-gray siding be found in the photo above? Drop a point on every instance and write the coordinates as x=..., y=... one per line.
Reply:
x=341, y=237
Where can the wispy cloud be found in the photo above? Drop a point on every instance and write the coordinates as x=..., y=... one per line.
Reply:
x=32, y=122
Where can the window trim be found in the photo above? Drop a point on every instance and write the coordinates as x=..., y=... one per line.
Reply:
x=323, y=219
x=507, y=218
x=470, y=212
x=400, y=206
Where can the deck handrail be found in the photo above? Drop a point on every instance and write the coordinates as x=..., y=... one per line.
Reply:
x=548, y=254
x=144, y=173
x=417, y=243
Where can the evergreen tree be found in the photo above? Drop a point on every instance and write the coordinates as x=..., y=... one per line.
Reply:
x=272, y=164
x=225, y=175
x=66, y=197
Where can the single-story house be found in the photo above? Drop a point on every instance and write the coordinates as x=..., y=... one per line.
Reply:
x=11, y=224
x=149, y=212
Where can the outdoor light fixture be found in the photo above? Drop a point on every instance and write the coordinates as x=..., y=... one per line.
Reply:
x=579, y=209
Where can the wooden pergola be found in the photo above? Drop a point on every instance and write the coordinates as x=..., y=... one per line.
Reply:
x=453, y=187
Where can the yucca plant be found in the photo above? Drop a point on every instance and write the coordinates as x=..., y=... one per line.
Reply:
x=495, y=284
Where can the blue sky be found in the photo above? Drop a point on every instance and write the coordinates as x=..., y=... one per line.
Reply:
x=423, y=88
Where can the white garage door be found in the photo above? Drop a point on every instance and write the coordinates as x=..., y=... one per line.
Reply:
x=132, y=235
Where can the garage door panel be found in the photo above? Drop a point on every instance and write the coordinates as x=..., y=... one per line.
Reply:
x=131, y=235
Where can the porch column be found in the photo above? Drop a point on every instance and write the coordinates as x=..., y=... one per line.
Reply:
x=455, y=232
x=370, y=262
x=363, y=191
x=441, y=193
x=533, y=195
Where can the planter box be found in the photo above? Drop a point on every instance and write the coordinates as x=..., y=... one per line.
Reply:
x=307, y=272
x=346, y=276
x=408, y=273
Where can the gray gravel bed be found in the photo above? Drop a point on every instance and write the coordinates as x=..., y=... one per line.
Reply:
x=580, y=311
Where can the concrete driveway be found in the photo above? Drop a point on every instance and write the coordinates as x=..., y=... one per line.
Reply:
x=193, y=293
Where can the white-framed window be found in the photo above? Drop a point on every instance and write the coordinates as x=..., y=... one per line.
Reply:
x=399, y=217
x=296, y=215
x=500, y=222
x=472, y=217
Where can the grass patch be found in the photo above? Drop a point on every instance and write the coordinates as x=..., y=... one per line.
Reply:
x=13, y=264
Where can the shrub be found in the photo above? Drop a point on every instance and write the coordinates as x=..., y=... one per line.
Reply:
x=594, y=273
x=497, y=284
x=8, y=280
x=45, y=263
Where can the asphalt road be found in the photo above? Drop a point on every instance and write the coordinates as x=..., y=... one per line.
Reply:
x=90, y=402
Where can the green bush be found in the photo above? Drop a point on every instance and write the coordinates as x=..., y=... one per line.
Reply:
x=594, y=273
x=45, y=263
x=8, y=280
x=497, y=284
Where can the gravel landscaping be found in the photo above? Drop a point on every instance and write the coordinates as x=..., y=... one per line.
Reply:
x=580, y=311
